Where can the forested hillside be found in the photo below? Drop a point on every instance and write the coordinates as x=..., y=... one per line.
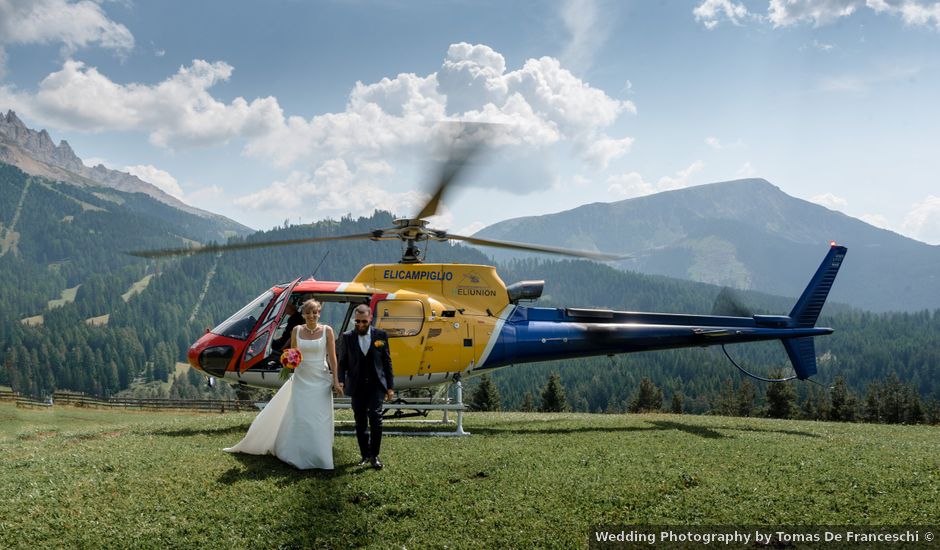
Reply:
x=77, y=314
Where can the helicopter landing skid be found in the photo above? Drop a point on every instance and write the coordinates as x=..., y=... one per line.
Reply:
x=417, y=407
x=395, y=414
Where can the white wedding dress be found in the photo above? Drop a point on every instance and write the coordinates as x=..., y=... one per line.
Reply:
x=297, y=424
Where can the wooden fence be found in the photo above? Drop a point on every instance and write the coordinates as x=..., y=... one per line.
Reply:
x=82, y=400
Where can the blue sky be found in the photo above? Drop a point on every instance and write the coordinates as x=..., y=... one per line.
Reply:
x=291, y=110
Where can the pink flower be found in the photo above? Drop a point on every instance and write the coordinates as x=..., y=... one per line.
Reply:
x=291, y=358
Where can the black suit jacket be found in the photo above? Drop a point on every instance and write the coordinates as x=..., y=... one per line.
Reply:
x=352, y=362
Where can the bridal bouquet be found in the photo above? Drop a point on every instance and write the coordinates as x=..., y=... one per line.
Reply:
x=289, y=361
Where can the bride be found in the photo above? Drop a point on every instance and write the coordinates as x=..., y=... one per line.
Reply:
x=297, y=424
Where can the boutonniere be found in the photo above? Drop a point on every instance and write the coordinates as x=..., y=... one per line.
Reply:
x=379, y=344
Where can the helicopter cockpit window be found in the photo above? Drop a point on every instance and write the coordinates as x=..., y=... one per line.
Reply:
x=399, y=317
x=239, y=326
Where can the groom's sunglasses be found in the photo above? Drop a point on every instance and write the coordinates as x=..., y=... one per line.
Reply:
x=361, y=322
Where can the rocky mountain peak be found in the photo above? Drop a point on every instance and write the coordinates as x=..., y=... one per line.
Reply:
x=35, y=153
x=11, y=119
x=39, y=145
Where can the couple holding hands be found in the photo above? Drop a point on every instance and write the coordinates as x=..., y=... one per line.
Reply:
x=297, y=424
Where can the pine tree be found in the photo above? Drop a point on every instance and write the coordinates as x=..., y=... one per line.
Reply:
x=486, y=396
x=873, y=412
x=744, y=399
x=648, y=397
x=780, y=398
x=844, y=402
x=675, y=405
x=893, y=400
x=914, y=410
x=528, y=404
x=725, y=404
x=553, y=395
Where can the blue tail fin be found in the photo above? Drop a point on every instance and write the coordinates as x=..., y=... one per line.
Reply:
x=807, y=308
x=802, y=351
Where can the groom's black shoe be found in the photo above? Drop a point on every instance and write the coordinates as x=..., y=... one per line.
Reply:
x=376, y=463
x=365, y=460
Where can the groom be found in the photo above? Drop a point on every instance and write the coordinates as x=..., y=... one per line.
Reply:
x=365, y=373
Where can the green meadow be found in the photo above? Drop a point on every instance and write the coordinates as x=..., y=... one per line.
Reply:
x=73, y=477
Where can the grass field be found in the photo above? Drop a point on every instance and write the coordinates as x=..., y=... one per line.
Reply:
x=74, y=477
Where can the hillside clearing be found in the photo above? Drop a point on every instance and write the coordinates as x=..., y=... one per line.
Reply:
x=67, y=297
x=137, y=287
x=98, y=321
x=34, y=321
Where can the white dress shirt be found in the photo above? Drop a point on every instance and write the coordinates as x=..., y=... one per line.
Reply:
x=364, y=341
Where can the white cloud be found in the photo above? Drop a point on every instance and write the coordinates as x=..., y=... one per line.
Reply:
x=714, y=143
x=334, y=189
x=207, y=196
x=179, y=111
x=681, y=179
x=923, y=221
x=746, y=171
x=538, y=105
x=626, y=186
x=471, y=228
x=91, y=162
x=710, y=12
x=160, y=178
x=633, y=185
x=605, y=149
x=786, y=13
x=580, y=181
x=877, y=220
x=73, y=25
x=830, y=201
x=588, y=29
x=912, y=12
x=861, y=83
x=822, y=46
x=783, y=13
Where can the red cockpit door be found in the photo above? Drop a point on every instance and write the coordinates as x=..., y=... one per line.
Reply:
x=260, y=345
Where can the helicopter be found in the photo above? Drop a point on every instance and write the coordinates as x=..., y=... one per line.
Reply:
x=449, y=321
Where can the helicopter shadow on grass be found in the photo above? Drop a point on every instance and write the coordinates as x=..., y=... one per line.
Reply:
x=770, y=431
x=652, y=425
x=188, y=432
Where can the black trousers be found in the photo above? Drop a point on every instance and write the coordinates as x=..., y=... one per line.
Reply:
x=367, y=409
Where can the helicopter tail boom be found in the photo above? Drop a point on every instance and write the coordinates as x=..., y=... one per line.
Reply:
x=532, y=334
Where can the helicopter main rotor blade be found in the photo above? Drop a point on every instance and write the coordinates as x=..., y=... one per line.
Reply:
x=168, y=252
x=601, y=256
x=458, y=159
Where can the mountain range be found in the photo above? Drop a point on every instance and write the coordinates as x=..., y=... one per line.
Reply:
x=35, y=153
x=745, y=234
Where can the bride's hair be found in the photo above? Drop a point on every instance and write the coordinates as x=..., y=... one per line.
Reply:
x=310, y=304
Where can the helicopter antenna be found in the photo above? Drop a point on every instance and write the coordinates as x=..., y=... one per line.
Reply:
x=313, y=276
